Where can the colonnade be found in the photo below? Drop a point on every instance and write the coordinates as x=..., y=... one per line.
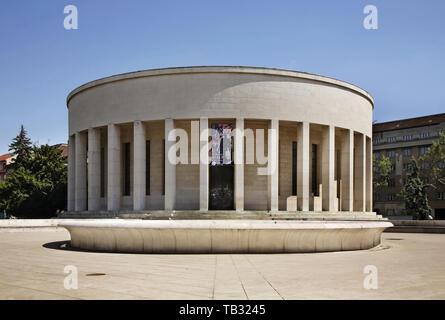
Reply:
x=354, y=170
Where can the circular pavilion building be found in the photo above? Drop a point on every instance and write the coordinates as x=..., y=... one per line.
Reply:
x=219, y=138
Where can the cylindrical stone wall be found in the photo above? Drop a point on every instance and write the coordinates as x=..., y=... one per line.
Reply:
x=317, y=131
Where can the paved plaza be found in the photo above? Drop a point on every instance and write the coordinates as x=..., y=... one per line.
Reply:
x=410, y=266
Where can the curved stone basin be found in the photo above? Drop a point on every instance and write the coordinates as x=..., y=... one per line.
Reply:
x=223, y=236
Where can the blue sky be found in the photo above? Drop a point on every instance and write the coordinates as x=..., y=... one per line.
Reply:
x=401, y=64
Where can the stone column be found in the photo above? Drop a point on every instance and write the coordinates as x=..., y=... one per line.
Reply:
x=273, y=157
x=114, y=168
x=303, y=160
x=80, y=193
x=327, y=163
x=347, y=171
x=204, y=164
x=239, y=164
x=369, y=174
x=170, y=169
x=139, y=170
x=360, y=173
x=93, y=169
x=71, y=173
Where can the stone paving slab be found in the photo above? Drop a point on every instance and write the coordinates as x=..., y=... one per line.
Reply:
x=410, y=266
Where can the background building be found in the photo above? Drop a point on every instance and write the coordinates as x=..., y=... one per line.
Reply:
x=400, y=140
x=64, y=148
x=7, y=158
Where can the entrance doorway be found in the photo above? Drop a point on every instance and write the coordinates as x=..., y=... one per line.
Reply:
x=221, y=170
x=221, y=187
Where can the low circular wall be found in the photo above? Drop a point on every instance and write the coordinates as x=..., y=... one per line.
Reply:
x=224, y=236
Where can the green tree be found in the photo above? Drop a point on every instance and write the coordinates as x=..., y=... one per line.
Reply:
x=415, y=195
x=435, y=158
x=21, y=147
x=36, y=188
x=382, y=168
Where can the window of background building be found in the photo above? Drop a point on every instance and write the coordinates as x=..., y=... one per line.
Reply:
x=377, y=154
x=425, y=165
x=407, y=152
x=423, y=150
x=391, y=153
x=407, y=138
x=441, y=196
x=391, y=197
x=424, y=135
x=391, y=139
x=392, y=183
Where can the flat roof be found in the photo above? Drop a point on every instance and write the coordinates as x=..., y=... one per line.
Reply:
x=220, y=69
x=409, y=123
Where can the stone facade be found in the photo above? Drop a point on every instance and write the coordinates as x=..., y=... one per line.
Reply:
x=322, y=145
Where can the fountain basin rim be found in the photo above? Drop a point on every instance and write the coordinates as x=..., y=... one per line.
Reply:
x=224, y=224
